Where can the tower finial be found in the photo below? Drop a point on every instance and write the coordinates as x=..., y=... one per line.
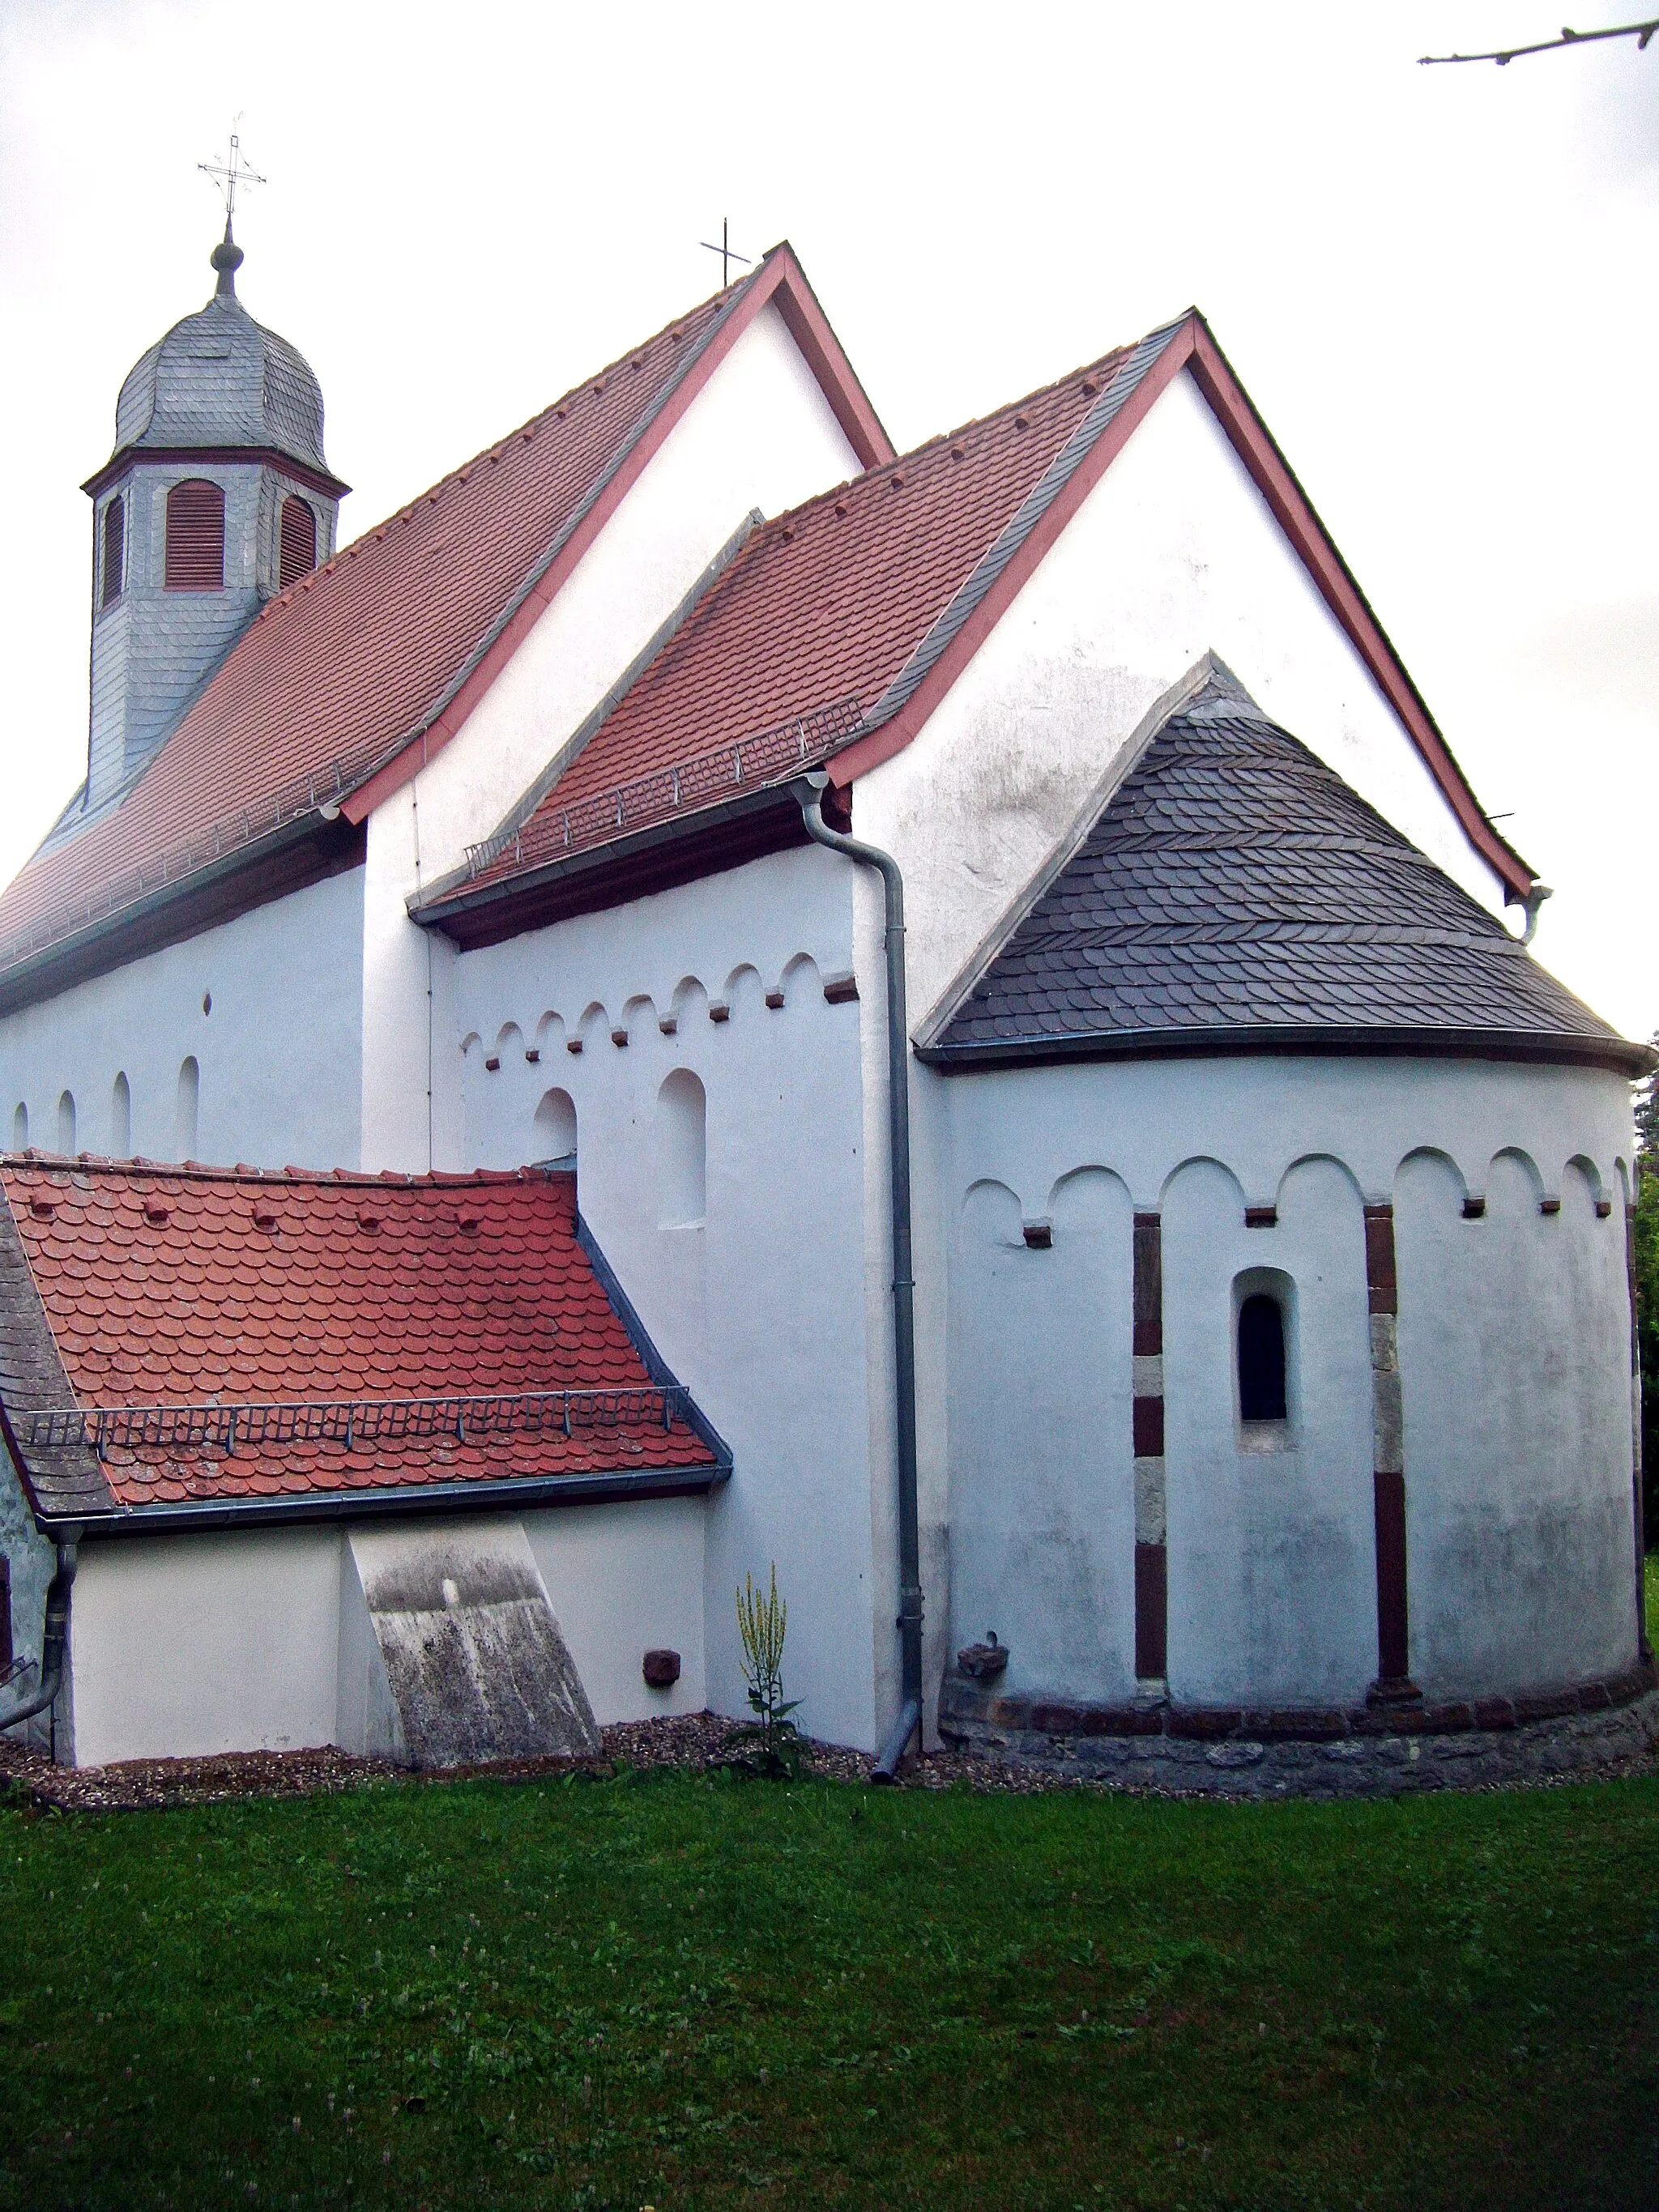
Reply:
x=227, y=258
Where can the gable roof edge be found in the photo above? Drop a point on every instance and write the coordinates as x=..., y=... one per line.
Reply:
x=780, y=279
x=1295, y=515
x=514, y=820
x=996, y=582
x=975, y=609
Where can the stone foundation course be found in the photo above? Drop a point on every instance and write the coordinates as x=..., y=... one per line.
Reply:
x=1203, y=1751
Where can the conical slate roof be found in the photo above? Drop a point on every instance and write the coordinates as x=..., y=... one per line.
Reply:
x=219, y=378
x=1236, y=894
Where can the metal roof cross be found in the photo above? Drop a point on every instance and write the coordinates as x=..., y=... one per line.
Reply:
x=725, y=250
x=229, y=174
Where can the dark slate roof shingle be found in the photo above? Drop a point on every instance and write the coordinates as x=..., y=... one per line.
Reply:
x=1235, y=891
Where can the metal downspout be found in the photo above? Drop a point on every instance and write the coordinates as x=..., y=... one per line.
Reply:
x=52, y=1643
x=810, y=790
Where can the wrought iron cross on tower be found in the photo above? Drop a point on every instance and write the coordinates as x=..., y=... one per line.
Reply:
x=726, y=253
x=227, y=174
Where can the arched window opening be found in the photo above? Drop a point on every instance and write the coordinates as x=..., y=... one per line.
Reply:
x=555, y=1132
x=66, y=1121
x=187, y=1115
x=297, y=553
x=1261, y=1359
x=120, y=1119
x=196, y=537
x=113, y=551
x=682, y=1150
x=19, y=1127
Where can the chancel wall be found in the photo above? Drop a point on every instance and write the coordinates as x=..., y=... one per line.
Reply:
x=1255, y=1541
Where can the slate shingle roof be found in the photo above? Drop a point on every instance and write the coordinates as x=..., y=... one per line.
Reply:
x=1236, y=891
x=187, y=1287
x=220, y=379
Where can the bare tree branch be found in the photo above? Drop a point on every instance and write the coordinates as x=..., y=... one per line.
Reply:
x=1640, y=32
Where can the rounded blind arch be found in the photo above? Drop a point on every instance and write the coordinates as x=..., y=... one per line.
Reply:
x=296, y=555
x=682, y=1150
x=195, y=537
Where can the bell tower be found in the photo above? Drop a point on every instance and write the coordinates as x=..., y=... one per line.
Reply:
x=216, y=496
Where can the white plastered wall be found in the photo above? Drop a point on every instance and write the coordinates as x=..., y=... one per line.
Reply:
x=760, y=435
x=186, y=1646
x=1515, y=1367
x=624, y=1580
x=1514, y=1353
x=1174, y=553
x=258, y=1640
x=765, y=1307
x=278, y=1054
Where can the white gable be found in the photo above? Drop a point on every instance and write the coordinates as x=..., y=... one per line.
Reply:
x=1174, y=553
x=761, y=434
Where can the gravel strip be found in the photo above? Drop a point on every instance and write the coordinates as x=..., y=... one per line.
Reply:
x=692, y=1741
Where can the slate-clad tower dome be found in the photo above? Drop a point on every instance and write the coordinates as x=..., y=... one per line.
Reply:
x=217, y=495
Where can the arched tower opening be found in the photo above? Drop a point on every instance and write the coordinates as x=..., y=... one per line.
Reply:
x=216, y=496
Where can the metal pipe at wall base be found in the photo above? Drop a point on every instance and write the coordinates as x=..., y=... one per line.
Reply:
x=810, y=790
x=909, y=1720
x=53, y=1643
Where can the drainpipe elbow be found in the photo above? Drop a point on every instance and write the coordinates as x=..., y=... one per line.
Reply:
x=54, y=1641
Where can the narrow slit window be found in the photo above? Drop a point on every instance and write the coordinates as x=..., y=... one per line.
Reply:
x=196, y=537
x=1261, y=1359
x=113, y=551
x=297, y=556
x=187, y=1113
x=120, y=1118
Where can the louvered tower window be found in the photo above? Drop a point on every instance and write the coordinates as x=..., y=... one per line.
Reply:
x=196, y=537
x=114, y=550
x=298, y=556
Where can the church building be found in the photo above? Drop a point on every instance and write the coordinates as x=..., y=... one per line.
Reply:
x=707, y=995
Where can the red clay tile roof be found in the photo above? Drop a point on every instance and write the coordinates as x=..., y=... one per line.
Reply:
x=811, y=621
x=183, y=1287
x=336, y=675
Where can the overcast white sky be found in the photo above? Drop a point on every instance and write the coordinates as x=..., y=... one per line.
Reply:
x=1441, y=286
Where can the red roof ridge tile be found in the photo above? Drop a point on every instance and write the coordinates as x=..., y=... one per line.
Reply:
x=1112, y=359
x=139, y=1169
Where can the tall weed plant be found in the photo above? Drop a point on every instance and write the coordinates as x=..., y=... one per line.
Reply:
x=769, y=1745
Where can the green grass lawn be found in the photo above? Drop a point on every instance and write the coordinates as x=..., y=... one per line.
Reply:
x=669, y=1991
